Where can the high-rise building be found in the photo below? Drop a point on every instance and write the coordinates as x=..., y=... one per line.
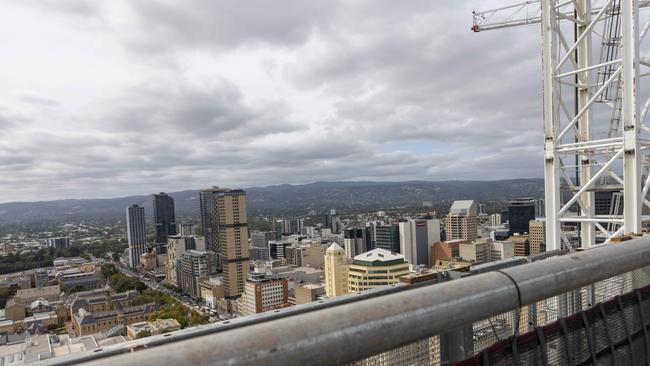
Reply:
x=536, y=236
x=185, y=229
x=192, y=267
x=260, y=239
x=61, y=242
x=164, y=219
x=387, y=237
x=540, y=208
x=376, y=268
x=135, y=234
x=520, y=212
x=417, y=238
x=482, y=210
x=461, y=222
x=176, y=246
x=336, y=271
x=264, y=293
x=206, y=201
x=291, y=226
x=495, y=219
x=230, y=234
x=354, y=242
x=333, y=222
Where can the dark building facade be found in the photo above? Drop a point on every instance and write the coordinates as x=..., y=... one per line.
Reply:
x=387, y=237
x=164, y=219
x=520, y=212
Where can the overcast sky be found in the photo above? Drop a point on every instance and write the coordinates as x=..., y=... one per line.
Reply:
x=111, y=98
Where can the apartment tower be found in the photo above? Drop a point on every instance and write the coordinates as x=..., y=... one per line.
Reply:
x=230, y=239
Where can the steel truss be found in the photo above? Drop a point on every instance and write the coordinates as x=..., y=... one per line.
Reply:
x=592, y=121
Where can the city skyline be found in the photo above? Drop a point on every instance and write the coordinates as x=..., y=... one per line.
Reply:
x=311, y=94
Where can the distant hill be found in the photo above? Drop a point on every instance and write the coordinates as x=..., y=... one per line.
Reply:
x=285, y=199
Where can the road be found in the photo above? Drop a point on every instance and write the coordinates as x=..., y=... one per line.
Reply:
x=183, y=299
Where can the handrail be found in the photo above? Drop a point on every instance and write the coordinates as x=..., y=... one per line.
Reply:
x=354, y=328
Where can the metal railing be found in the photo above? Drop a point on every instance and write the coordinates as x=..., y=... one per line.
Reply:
x=416, y=324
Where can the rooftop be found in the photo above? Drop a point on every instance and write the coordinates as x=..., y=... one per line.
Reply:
x=379, y=256
x=463, y=207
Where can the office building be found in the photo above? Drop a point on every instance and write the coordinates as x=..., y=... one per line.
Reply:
x=264, y=293
x=333, y=222
x=387, y=237
x=376, y=268
x=176, y=246
x=291, y=226
x=461, y=222
x=61, y=242
x=258, y=254
x=540, y=208
x=230, y=235
x=336, y=271
x=416, y=239
x=482, y=211
x=193, y=266
x=521, y=244
x=260, y=239
x=306, y=255
x=308, y=292
x=484, y=251
x=185, y=229
x=354, y=242
x=495, y=219
x=520, y=212
x=164, y=219
x=278, y=248
x=135, y=234
x=536, y=236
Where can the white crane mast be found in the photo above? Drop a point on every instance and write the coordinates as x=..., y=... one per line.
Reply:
x=594, y=136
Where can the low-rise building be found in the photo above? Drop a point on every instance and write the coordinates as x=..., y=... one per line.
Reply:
x=85, y=322
x=74, y=278
x=51, y=293
x=306, y=255
x=211, y=290
x=263, y=293
x=139, y=329
x=149, y=261
x=100, y=300
x=306, y=293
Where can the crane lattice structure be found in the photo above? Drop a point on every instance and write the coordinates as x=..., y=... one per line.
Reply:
x=594, y=136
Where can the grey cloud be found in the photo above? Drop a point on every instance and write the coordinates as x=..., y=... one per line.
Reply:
x=395, y=73
x=197, y=112
x=200, y=23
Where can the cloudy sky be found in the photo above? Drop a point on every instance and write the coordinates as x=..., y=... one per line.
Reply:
x=110, y=98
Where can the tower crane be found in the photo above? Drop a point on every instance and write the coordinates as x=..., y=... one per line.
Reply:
x=593, y=124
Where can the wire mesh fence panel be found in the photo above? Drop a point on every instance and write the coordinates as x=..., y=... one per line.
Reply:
x=422, y=352
x=615, y=332
x=602, y=321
